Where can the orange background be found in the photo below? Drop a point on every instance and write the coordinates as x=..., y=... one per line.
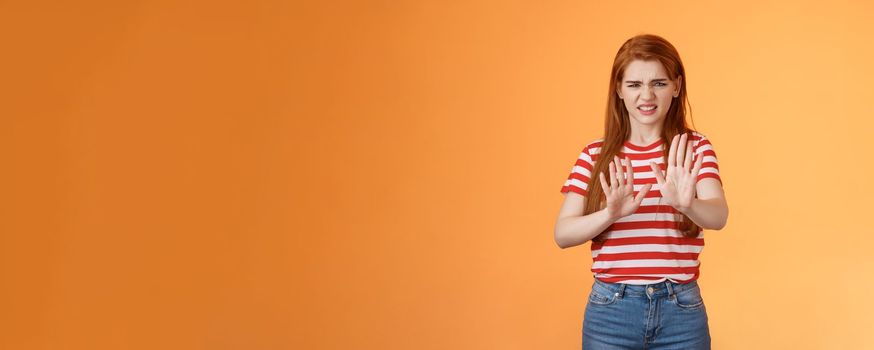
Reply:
x=386, y=175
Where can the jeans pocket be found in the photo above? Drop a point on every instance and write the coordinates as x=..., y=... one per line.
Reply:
x=601, y=298
x=689, y=298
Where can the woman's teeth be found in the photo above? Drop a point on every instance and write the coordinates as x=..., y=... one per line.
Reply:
x=646, y=108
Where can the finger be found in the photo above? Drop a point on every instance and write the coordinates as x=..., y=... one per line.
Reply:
x=695, y=172
x=688, y=163
x=681, y=150
x=698, y=162
x=619, y=178
x=657, y=171
x=604, y=185
x=642, y=194
x=612, y=175
x=672, y=154
x=629, y=172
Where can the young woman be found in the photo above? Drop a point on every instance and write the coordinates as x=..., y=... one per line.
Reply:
x=642, y=194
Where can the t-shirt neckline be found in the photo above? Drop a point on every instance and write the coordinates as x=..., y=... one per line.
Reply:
x=643, y=148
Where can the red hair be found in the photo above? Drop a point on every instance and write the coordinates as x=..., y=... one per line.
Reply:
x=617, y=127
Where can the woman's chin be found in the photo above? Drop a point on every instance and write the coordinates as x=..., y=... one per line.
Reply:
x=648, y=119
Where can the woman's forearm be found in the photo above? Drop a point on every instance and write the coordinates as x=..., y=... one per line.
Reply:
x=708, y=213
x=575, y=230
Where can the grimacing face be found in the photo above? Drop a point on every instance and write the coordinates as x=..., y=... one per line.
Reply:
x=647, y=91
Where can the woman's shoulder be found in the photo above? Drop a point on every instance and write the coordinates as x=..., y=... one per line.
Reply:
x=700, y=141
x=594, y=146
x=697, y=135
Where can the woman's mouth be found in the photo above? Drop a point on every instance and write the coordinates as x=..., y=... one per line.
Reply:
x=647, y=109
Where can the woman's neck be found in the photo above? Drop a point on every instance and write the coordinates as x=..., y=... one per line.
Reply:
x=645, y=134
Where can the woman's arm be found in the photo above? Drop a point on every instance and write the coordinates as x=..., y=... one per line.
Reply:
x=572, y=228
x=702, y=201
x=709, y=210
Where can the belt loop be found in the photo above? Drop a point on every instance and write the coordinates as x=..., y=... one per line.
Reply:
x=621, y=289
x=670, y=288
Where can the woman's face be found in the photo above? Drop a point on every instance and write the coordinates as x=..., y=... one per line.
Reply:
x=647, y=91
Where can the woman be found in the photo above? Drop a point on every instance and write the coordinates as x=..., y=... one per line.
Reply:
x=644, y=220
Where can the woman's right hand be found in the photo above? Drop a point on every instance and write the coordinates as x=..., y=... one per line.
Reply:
x=619, y=193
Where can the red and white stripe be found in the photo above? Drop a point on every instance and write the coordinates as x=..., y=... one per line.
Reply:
x=645, y=247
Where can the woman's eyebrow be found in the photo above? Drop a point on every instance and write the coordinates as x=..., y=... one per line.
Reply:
x=638, y=81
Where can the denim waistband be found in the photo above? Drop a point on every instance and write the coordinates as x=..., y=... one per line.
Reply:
x=664, y=288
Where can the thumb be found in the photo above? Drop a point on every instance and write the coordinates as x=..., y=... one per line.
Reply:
x=698, y=163
x=660, y=177
x=642, y=193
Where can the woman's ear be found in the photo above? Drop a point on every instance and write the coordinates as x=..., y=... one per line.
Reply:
x=679, y=85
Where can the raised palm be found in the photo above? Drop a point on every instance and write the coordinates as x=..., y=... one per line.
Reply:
x=678, y=185
x=619, y=193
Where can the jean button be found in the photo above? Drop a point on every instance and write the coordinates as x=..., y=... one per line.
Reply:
x=649, y=290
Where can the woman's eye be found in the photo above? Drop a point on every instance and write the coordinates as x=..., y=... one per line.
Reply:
x=661, y=84
x=634, y=85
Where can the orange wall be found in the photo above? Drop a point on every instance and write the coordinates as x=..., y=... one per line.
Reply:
x=386, y=175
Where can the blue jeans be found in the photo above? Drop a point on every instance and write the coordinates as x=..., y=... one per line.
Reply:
x=664, y=315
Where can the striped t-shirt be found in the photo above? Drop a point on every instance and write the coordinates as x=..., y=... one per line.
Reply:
x=647, y=246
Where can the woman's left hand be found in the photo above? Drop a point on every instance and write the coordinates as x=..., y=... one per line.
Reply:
x=678, y=186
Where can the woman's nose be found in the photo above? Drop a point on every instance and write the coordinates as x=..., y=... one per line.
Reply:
x=647, y=93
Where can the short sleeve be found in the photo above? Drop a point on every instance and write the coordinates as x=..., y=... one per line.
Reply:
x=578, y=180
x=710, y=165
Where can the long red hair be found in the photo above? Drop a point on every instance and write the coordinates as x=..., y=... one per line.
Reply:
x=617, y=127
